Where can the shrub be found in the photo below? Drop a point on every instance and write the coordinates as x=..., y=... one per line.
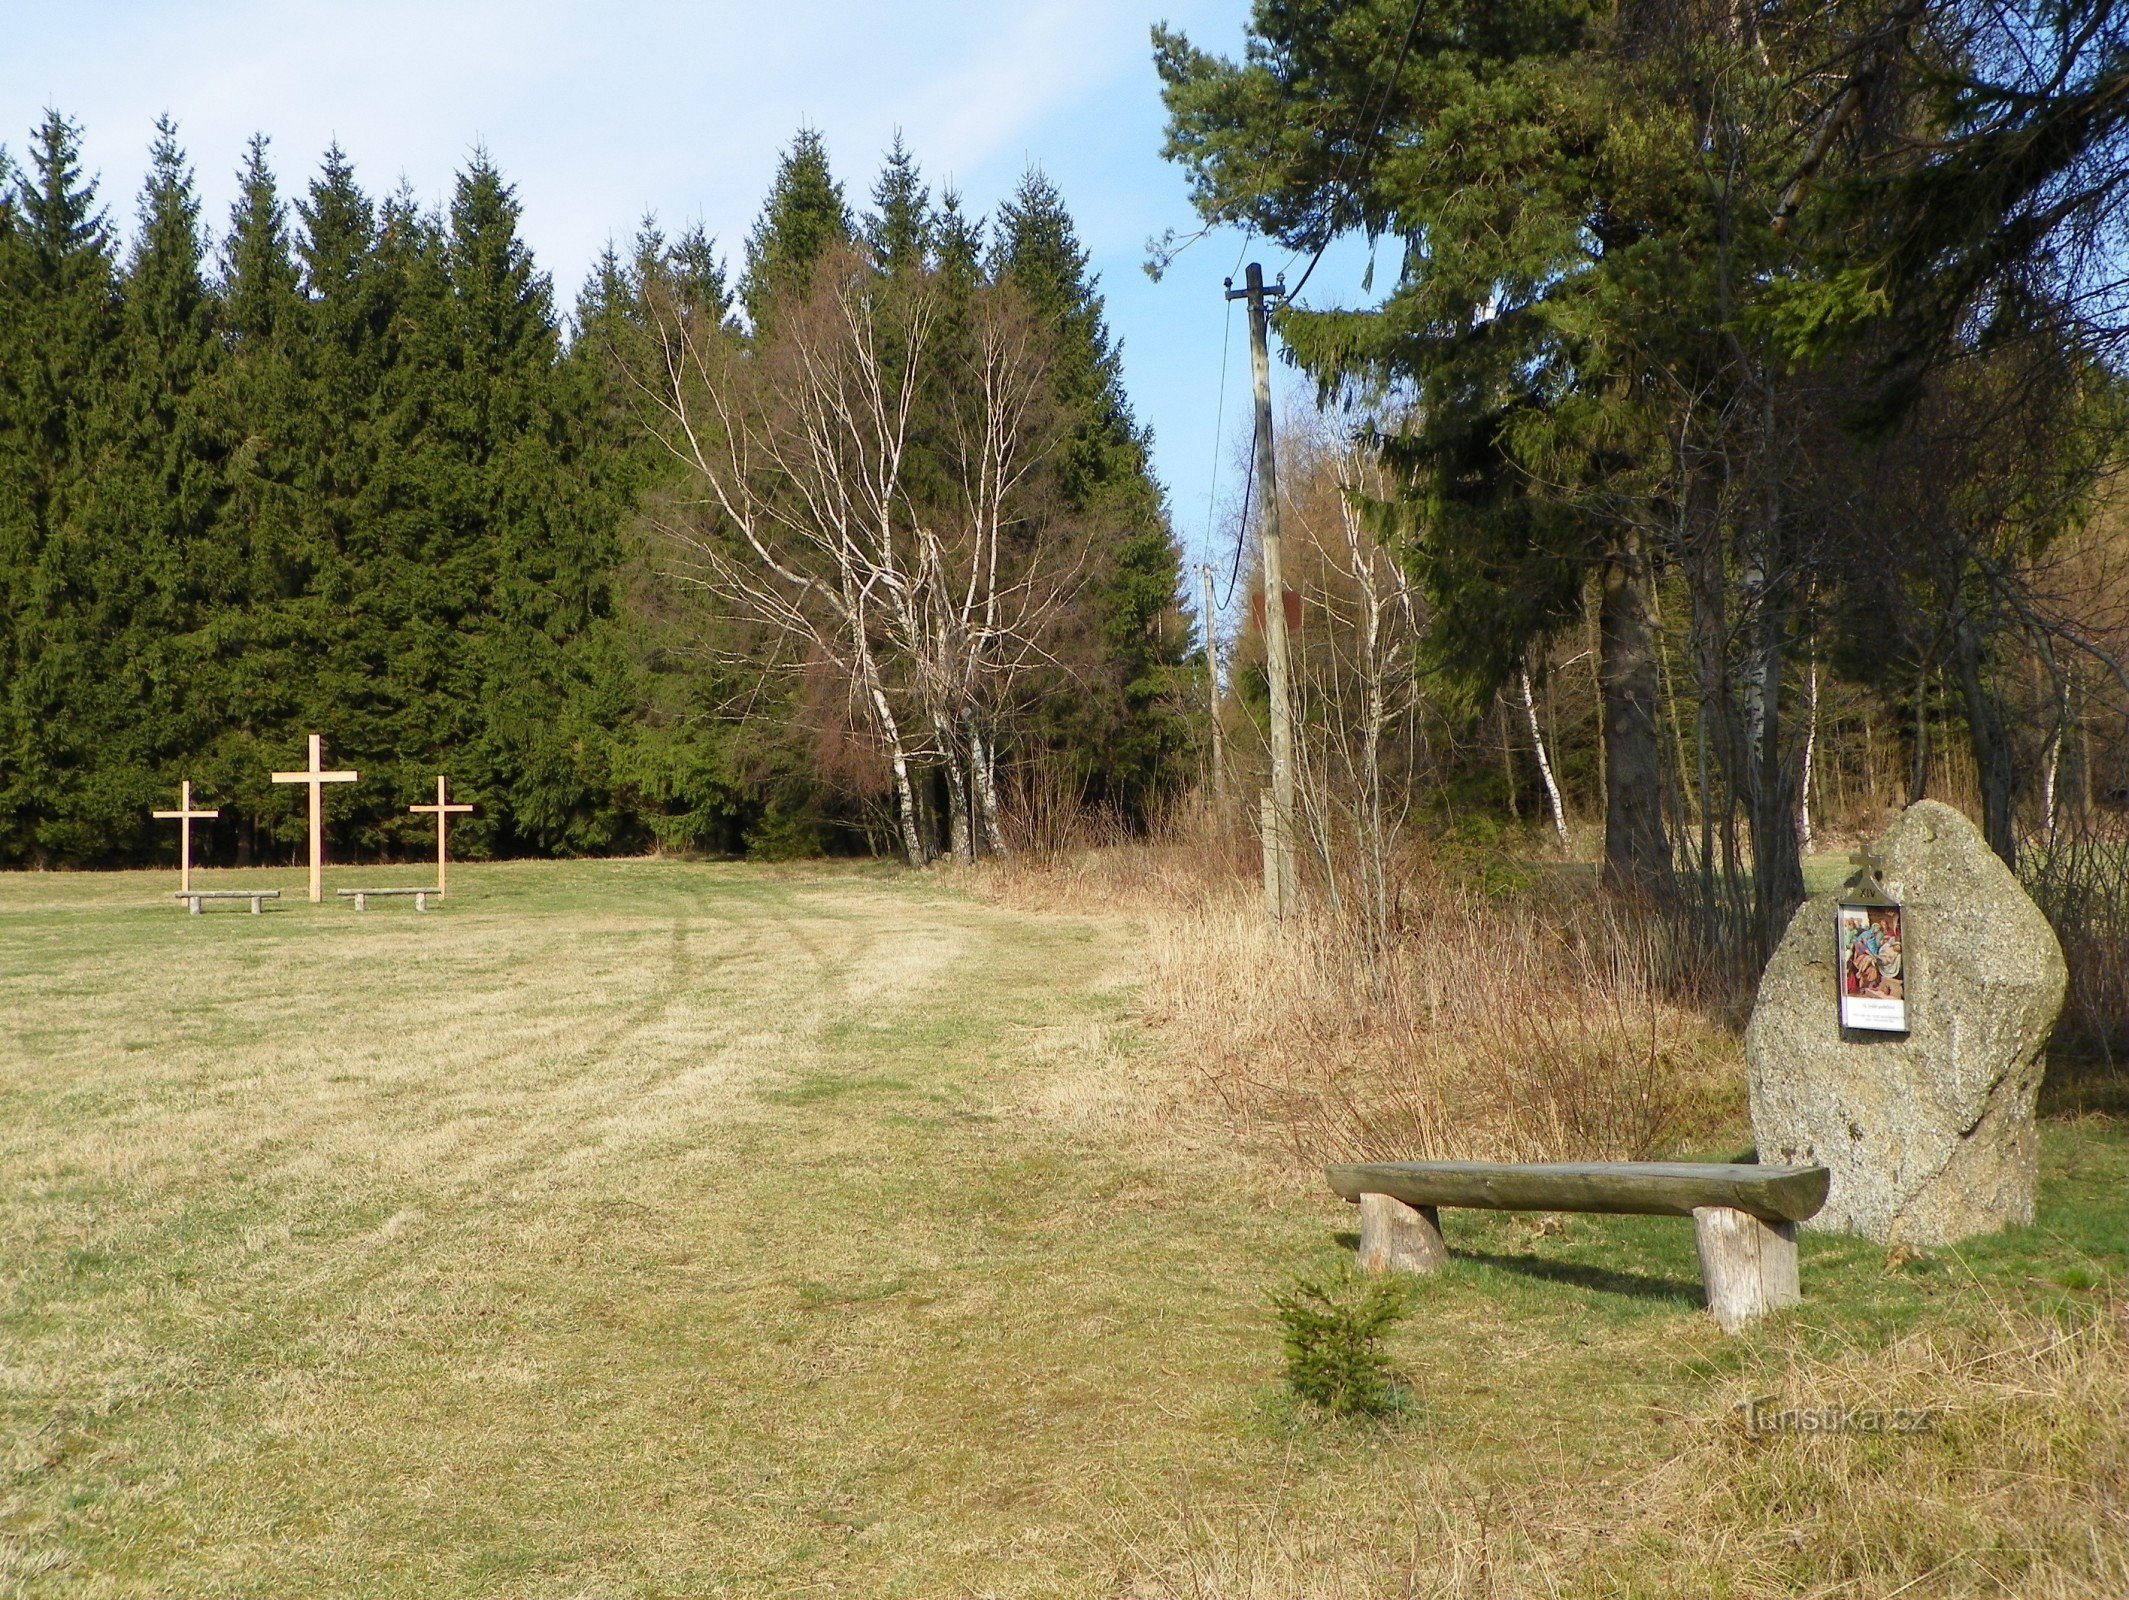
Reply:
x=1334, y=1329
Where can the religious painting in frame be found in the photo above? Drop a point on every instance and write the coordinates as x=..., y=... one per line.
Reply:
x=1873, y=968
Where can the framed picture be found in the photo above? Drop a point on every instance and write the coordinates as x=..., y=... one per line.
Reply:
x=1873, y=971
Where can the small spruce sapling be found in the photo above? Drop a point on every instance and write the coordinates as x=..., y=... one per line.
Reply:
x=1334, y=1328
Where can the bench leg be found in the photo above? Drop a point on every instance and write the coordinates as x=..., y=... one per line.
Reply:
x=255, y=905
x=1747, y=1266
x=358, y=902
x=421, y=902
x=193, y=906
x=1395, y=1237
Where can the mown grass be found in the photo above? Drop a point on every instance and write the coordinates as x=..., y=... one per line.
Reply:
x=655, y=1229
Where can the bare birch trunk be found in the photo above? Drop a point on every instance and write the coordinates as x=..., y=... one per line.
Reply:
x=983, y=762
x=961, y=840
x=898, y=758
x=1537, y=741
x=2047, y=783
x=1811, y=739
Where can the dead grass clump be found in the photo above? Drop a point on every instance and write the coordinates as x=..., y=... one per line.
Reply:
x=1487, y=1026
x=1988, y=1455
x=1988, y=1458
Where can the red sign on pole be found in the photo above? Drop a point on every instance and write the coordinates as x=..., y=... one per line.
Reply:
x=1293, y=609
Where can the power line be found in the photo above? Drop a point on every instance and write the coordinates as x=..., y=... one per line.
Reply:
x=1249, y=484
x=1212, y=492
x=1381, y=100
x=1367, y=152
x=1219, y=421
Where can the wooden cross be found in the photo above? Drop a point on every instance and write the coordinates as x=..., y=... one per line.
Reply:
x=184, y=814
x=443, y=809
x=316, y=778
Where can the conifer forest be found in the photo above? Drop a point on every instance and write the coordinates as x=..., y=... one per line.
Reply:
x=338, y=462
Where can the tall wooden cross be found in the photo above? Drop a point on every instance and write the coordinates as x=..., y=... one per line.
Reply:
x=316, y=778
x=184, y=814
x=443, y=809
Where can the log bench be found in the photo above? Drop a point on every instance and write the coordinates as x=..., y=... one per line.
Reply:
x=253, y=895
x=1744, y=1216
x=421, y=896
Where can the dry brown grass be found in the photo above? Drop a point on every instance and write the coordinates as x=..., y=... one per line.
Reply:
x=1522, y=1027
x=2017, y=1485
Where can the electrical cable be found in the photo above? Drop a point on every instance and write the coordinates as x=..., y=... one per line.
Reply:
x=1219, y=413
x=1219, y=423
x=1249, y=484
x=1382, y=105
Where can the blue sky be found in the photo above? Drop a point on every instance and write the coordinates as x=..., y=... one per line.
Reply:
x=599, y=112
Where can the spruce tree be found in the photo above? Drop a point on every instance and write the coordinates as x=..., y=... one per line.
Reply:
x=801, y=221
x=899, y=231
x=542, y=494
x=698, y=276
x=958, y=241
x=251, y=661
x=61, y=342
x=1120, y=719
x=150, y=513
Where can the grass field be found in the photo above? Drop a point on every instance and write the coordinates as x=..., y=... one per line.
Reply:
x=656, y=1229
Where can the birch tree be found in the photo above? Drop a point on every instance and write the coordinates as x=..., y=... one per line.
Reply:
x=866, y=488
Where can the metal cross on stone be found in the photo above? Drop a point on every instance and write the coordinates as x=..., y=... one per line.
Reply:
x=316, y=778
x=184, y=815
x=1863, y=887
x=443, y=809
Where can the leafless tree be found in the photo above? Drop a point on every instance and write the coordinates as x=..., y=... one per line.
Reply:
x=866, y=488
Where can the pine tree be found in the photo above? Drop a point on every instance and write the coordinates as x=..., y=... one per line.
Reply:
x=149, y=513
x=899, y=230
x=802, y=220
x=61, y=336
x=251, y=657
x=1121, y=721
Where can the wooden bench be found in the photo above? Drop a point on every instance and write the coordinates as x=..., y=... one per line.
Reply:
x=253, y=895
x=421, y=896
x=1744, y=1216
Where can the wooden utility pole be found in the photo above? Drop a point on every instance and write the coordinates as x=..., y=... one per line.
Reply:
x=1282, y=887
x=1212, y=685
x=316, y=776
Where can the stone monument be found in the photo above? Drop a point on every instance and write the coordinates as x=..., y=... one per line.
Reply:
x=1929, y=1134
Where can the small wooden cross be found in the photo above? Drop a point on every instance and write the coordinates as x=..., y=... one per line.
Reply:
x=184, y=815
x=316, y=777
x=443, y=809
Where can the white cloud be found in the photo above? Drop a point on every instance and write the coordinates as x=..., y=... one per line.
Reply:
x=601, y=111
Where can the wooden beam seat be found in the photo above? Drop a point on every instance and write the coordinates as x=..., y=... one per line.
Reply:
x=360, y=896
x=255, y=896
x=1744, y=1216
